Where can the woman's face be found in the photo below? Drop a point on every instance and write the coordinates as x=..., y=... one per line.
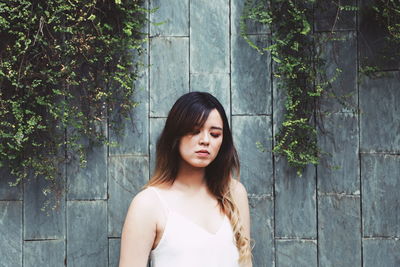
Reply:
x=201, y=147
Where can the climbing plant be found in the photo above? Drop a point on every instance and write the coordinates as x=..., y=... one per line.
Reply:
x=299, y=67
x=384, y=16
x=292, y=51
x=65, y=67
x=388, y=14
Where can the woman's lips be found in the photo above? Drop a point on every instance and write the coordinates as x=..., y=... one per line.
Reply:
x=202, y=153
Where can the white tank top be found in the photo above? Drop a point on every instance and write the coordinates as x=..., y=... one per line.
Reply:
x=186, y=244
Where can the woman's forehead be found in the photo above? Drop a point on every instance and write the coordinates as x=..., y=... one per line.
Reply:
x=214, y=120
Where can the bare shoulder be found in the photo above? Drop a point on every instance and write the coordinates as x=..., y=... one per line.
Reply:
x=239, y=195
x=238, y=190
x=139, y=229
x=144, y=203
x=144, y=196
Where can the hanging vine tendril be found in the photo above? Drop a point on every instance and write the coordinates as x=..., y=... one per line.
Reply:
x=298, y=68
x=64, y=66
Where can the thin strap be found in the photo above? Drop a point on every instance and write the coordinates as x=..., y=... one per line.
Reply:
x=161, y=199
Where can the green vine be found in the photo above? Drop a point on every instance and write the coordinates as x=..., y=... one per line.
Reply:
x=386, y=15
x=299, y=67
x=296, y=68
x=65, y=67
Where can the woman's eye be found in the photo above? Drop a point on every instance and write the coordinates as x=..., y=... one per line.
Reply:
x=215, y=135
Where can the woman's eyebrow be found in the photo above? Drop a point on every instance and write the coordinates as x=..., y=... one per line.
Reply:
x=216, y=128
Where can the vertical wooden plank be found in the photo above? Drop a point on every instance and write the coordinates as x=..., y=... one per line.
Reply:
x=11, y=233
x=339, y=51
x=127, y=176
x=299, y=253
x=256, y=164
x=339, y=167
x=329, y=17
x=379, y=120
x=381, y=252
x=381, y=198
x=216, y=84
x=113, y=251
x=237, y=8
x=8, y=192
x=262, y=227
x=44, y=214
x=89, y=182
x=44, y=253
x=156, y=127
x=295, y=201
x=133, y=139
x=339, y=231
x=374, y=49
x=251, y=83
x=173, y=16
x=169, y=73
x=209, y=36
x=87, y=242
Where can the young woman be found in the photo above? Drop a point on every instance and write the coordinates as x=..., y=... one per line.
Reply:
x=192, y=212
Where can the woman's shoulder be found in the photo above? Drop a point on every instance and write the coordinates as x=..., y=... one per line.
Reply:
x=145, y=197
x=237, y=187
x=144, y=200
x=148, y=197
x=145, y=205
x=238, y=191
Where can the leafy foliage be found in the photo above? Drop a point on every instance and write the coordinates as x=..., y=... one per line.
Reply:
x=64, y=66
x=388, y=14
x=292, y=51
x=299, y=67
x=382, y=18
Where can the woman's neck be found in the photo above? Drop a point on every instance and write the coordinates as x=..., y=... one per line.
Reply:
x=190, y=178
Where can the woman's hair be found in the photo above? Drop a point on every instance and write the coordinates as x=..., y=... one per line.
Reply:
x=189, y=112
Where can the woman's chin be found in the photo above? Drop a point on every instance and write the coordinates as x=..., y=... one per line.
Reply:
x=199, y=164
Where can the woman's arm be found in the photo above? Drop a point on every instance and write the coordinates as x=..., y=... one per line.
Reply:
x=239, y=195
x=139, y=231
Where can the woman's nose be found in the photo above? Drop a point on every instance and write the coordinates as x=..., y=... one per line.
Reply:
x=204, y=138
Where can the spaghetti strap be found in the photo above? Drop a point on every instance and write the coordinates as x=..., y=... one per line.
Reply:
x=164, y=204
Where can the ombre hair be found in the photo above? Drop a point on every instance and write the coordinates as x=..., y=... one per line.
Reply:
x=190, y=112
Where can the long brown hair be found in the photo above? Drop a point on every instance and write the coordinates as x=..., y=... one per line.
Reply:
x=191, y=110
